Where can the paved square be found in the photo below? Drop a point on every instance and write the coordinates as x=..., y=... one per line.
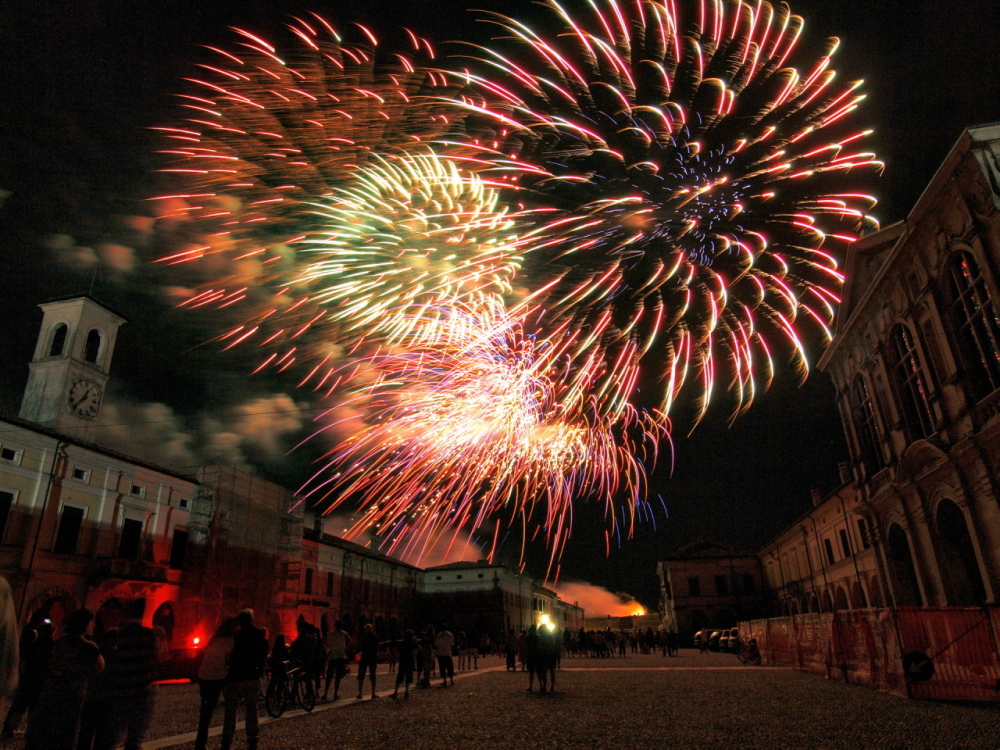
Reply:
x=696, y=700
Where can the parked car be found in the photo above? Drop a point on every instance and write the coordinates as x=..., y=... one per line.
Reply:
x=730, y=640
x=714, y=640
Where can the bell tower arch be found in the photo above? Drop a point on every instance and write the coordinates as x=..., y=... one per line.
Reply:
x=69, y=371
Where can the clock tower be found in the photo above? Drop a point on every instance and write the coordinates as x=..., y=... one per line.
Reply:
x=70, y=368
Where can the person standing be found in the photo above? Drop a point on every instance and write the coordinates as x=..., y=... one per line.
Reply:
x=246, y=668
x=427, y=663
x=368, y=645
x=212, y=674
x=9, y=656
x=132, y=669
x=97, y=704
x=511, y=647
x=55, y=722
x=533, y=653
x=406, y=648
x=34, y=651
x=337, y=644
x=443, y=644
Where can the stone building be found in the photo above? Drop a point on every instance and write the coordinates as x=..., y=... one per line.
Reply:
x=825, y=560
x=709, y=585
x=83, y=525
x=916, y=364
x=482, y=597
x=342, y=580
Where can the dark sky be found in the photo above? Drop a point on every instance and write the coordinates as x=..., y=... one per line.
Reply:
x=81, y=83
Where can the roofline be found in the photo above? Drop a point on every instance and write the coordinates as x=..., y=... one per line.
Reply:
x=354, y=547
x=960, y=148
x=828, y=496
x=71, y=297
x=48, y=432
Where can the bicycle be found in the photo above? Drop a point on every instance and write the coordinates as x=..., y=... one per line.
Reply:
x=749, y=653
x=290, y=685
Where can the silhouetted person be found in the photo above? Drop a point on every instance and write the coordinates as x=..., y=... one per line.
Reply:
x=246, y=667
x=97, y=705
x=406, y=648
x=533, y=649
x=55, y=722
x=443, y=645
x=212, y=673
x=368, y=645
x=337, y=644
x=132, y=669
x=9, y=656
x=511, y=648
x=34, y=650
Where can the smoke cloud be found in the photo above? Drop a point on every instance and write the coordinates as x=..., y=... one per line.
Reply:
x=262, y=428
x=597, y=601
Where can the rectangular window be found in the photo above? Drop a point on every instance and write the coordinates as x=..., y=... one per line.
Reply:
x=829, y=551
x=721, y=586
x=69, y=530
x=6, y=501
x=309, y=580
x=80, y=474
x=8, y=454
x=178, y=549
x=329, y=584
x=749, y=584
x=694, y=587
x=863, y=533
x=845, y=543
x=131, y=539
x=138, y=490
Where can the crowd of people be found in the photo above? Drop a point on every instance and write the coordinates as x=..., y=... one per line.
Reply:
x=81, y=692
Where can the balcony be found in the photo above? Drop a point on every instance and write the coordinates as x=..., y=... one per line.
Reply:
x=129, y=570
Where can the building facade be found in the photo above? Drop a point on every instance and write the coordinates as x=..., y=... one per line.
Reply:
x=709, y=585
x=481, y=597
x=916, y=364
x=826, y=560
x=82, y=525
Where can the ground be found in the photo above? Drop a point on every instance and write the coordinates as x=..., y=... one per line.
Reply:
x=697, y=700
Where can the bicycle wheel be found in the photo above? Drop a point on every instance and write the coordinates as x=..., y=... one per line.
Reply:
x=276, y=698
x=754, y=659
x=305, y=694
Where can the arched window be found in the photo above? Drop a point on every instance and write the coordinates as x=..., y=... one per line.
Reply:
x=59, y=334
x=959, y=566
x=977, y=323
x=92, y=349
x=910, y=383
x=863, y=416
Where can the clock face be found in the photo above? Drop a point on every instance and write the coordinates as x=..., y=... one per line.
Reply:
x=84, y=398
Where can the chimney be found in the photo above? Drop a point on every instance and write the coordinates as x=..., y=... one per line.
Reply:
x=817, y=498
x=845, y=472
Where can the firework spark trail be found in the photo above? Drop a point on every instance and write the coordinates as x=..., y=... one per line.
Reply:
x=309, y=173
x=681, y=184
x=474, y=418
x=696, y=180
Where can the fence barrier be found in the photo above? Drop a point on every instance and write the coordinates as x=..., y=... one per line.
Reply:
x=937, y=653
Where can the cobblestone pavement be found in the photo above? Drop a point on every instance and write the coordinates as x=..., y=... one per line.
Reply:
x=697, y=700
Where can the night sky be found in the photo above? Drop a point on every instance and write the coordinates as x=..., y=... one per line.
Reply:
x=82, y=83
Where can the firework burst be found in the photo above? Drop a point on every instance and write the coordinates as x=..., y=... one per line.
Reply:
x=700, y=178
x=473, y=419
